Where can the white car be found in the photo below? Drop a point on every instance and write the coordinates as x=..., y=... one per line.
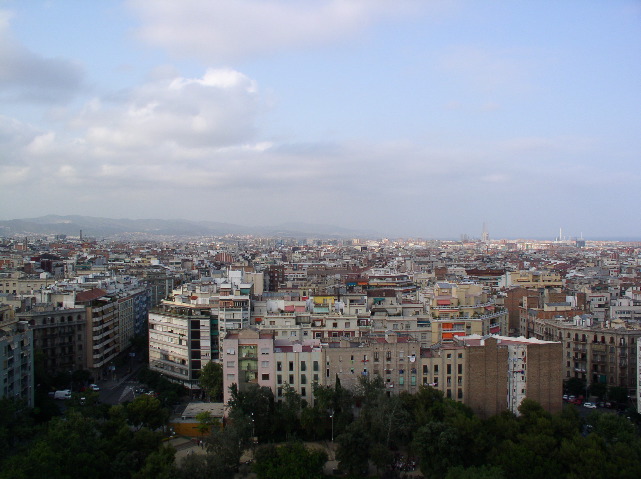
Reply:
x=94, y=387
x=589, y=405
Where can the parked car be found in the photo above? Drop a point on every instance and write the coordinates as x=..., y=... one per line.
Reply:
x=62, y=394
x=566, y=397
x=590, y=405
x=94, y=387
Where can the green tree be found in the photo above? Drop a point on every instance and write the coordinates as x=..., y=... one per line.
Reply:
x=204, y=466
x=353, y=449
x=229, y=443
x=291, y=460
x=211, y=380
x=256, y=405
x=475, y=472
x=289, y=412
x=439, y=447
x=618, y=394
x=574, y=386
x=205, y=422
x=146, y=411
x=159, y=465
x=599, y=390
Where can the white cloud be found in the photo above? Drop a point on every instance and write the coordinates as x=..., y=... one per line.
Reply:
x=222, y=30
x=28, y=76
x=216, y=110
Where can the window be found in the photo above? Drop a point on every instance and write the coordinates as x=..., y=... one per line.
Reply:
x=388, y=356
x=279, y=379
x=315, y=365
x=231, y=351
x=303, y=379
x=291, y=379
x=449, y=369
x=460, y=369
x=264, y=364
x=303, y=392
x=291, y=365
x=231, y=364
x=265, y=377
x=436, y=369
x=347, y=324
x=279, y=366
x=401, y=380
x=231, y=377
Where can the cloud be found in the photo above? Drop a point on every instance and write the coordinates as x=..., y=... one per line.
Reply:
x=28, y=76
x=216, y=110
x=221, y=31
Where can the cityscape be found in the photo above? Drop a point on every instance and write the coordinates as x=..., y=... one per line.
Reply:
x=489, y=324
x=269, y=239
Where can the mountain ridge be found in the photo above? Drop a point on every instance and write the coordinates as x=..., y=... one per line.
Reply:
x=93, y=226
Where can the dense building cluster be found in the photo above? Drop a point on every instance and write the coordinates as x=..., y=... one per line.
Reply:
x=488, y=323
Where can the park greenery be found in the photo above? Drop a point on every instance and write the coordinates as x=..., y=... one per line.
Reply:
x=369, y=429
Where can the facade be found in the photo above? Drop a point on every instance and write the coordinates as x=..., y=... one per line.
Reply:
x=502, y=371
x=299, y=366
x=393, y=356
x=597, y=352
x=444, y=368
x=182, y=339
x=16, y=359
x=248, y=358
x=60, y=335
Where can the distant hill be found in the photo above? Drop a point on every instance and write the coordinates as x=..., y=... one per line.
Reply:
x=123, y=227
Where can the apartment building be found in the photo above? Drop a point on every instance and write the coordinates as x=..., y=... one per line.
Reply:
x=16, y=358
x=299, y=366
x=598, y=352
x=249, y=358
x=183, y=338
x=443, y=368
x=463, y=309
x=60, y=335
x=502, y=371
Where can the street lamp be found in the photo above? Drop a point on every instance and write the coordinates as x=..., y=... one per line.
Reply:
x=331, y=416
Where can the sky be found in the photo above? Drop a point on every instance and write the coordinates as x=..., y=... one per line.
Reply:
x=413, y=118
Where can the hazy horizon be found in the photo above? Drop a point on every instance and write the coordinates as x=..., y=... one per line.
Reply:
x=418, y=118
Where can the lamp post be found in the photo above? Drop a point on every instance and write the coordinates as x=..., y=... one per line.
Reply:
x=331, y=416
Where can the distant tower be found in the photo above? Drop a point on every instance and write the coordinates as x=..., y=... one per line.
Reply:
x=80, y=235
x=485, y=236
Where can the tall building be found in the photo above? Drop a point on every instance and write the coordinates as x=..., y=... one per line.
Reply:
x=183, y=338
x=59, y=335
x=16, y=358
x=503, y=371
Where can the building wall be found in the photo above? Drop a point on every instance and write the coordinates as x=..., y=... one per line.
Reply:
x=60, y=336
x=16, y=362
x=544, y=375
x=487, y=378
